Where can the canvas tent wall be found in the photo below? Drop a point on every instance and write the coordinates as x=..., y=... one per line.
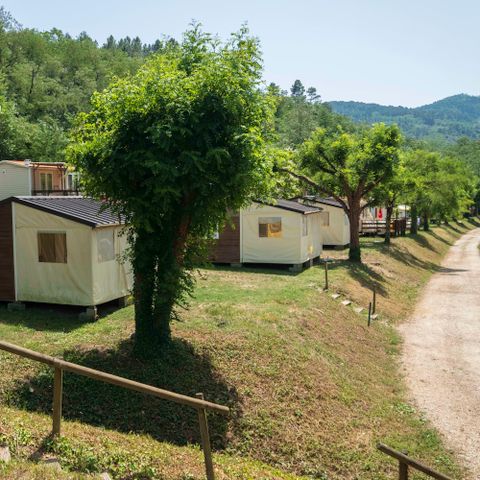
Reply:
x=335, y=225
x=66, y=251
x=284, y=233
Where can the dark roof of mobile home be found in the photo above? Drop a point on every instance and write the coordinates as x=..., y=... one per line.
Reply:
x=292, y=206
x=88, y=211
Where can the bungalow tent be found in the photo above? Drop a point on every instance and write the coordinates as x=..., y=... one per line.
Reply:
x=335, y=225
x=61, y=250
x=286, y=232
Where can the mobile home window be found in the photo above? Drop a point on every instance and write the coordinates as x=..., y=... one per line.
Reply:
x=270, y=227
x=46, y=181
x=304, y=226
x=52, y=247
x=105, y=245
x=325, y=219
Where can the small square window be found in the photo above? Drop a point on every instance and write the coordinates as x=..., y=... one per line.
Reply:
x=270, y=227
x=325, y=216
x=52, y=247
x=105, y=245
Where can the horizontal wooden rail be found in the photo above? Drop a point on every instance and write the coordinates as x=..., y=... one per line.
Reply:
x=60, y=366
x=113, y=379
x=405, y=461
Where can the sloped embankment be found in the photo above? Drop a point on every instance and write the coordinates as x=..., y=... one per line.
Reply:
x=311, y=387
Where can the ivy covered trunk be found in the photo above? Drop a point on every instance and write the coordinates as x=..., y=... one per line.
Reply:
x=160, y=280
x=414, y=220
x=144, y=267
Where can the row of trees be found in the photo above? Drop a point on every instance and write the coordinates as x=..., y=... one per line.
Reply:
x=184, y=131
x=194, y=134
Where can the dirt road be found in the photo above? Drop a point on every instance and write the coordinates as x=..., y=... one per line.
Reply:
x=442, y=350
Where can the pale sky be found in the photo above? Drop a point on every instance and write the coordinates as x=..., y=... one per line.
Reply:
x=407, y=52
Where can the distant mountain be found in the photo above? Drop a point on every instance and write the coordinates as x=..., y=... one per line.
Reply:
x=445, y=120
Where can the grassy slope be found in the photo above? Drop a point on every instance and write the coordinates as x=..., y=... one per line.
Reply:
x=312, y=389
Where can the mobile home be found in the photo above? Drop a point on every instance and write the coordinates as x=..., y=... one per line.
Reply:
x=335, y=225
x=61, y=250
x=285, y=232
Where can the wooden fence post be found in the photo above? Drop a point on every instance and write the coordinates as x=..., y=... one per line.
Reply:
x=374, y=306
x=326, y=274
x=205, y=437
x=369, y=313
x=402, y=471
x=57, y=400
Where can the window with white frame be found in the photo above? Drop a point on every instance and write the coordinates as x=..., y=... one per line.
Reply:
x=270, y=227
x=105, y=244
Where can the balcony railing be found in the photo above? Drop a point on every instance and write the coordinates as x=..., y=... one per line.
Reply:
x=59, y=193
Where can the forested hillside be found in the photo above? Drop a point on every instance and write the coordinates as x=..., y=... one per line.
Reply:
x=440, y=122
x=46, y=78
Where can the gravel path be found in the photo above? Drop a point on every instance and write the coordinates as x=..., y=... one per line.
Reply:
x=441, y=353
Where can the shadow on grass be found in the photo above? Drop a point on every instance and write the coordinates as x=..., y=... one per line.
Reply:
x=44, y=318
x=50, y=317
x=363, y=274
x=265, y=268
x=474, y=221
x=422, y=240
x=177, y=368
x=441, y=239
x=406, y=257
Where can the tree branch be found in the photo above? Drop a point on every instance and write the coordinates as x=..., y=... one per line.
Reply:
x=316, y=186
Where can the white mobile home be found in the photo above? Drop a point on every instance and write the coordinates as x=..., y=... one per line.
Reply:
x=335, y=224
x=24, y=177
x=61, y=250
x=286, y=232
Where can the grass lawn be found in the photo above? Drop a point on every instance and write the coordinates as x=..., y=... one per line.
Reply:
x=312, y=389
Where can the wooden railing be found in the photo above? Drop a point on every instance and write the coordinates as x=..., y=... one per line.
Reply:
x=397, y=227
x=60, y=366
x=404, y=462
x=55, y=193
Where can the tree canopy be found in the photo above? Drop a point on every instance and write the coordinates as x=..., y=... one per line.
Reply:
x=348, y=167
x=172, y=149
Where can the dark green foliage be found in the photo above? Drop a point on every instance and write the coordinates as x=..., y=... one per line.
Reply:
x=49, y=77
x=440, y=122
x=297, y=115
x=173, y=148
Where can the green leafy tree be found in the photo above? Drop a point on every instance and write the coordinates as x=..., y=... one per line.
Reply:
x=388, y=194
x=349, y=167
x=172, y=149
x=297, y=89
x=438, y=186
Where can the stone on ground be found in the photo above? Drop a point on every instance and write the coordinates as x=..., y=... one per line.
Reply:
x=5, y=456
x=52, y=463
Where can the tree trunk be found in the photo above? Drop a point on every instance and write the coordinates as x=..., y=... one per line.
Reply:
x=144, y=263
x=354, y=254
x=426, y=223
x=171, y=278
x=388, y=220
x=414, y=220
